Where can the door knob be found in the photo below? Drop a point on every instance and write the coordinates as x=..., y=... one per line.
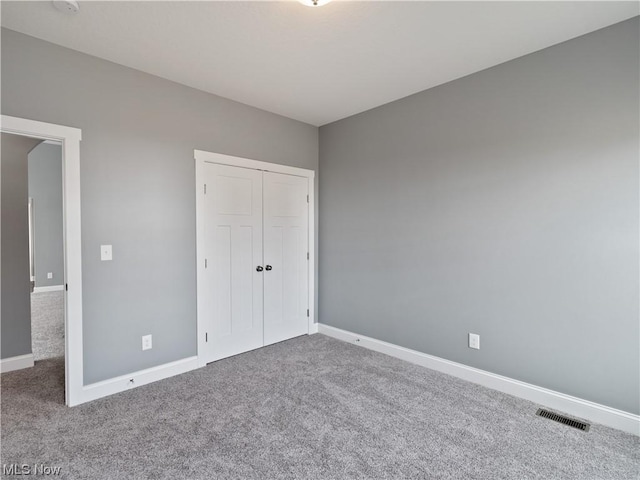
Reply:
x=268, y=267
x=259, y=268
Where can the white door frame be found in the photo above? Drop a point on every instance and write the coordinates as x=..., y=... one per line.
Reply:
x=201, y=158
x=70, y=138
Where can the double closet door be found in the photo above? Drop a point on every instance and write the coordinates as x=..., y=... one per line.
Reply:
x=255, y=282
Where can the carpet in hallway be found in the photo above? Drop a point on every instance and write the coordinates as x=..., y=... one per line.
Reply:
x=47, y=325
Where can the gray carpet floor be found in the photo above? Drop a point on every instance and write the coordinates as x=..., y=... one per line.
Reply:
x=47, y=325
x=309, y=408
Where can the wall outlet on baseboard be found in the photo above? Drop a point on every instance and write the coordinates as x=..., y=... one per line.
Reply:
x=147, y=342
x=50, y=275
x=474, y=341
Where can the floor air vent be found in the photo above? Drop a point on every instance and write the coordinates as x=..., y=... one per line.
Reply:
x=562, y=419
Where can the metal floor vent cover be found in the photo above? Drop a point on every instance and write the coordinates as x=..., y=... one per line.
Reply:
x=562, y=419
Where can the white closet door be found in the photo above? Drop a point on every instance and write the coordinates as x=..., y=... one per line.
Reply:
x=233, y=248
x=286, y=280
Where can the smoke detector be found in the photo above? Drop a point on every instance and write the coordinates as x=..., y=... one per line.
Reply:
x=70, y=7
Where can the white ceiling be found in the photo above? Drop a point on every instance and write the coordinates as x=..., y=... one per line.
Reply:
x=316, y=65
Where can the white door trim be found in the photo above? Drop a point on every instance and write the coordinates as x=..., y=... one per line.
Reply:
x=201, y=158
x=70, y=138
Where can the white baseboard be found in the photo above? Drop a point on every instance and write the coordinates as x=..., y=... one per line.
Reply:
x=590, y=411
x=52, y=288
x=313, y=328
x=16, y=363
x=142, y=377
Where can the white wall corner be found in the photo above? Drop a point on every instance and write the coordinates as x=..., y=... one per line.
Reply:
x=16, y=363
x=578, y=407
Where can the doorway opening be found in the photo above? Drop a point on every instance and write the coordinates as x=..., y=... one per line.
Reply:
x=20, y=265
x=46, y=251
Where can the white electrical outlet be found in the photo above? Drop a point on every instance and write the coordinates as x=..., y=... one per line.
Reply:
x=474, y=341
x=50, y=275
x=106, y=253
x=147, y=342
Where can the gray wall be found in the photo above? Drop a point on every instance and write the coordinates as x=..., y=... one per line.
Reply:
x=45, y=187
x=15, y=311
x=504, y=204
x=138, y=188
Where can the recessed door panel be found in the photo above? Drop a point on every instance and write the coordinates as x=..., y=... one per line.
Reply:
x=286, y=286
x=233, y=249
x=222, y=279
x=242, y=282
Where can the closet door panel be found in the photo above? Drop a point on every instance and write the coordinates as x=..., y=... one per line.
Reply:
x=286, y=214
x=233, y=246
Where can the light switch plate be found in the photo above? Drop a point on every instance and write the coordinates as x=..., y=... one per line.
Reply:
x=106, y=253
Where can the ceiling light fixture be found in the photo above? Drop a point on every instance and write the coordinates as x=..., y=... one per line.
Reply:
x=70, y=7
x=314, y=3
